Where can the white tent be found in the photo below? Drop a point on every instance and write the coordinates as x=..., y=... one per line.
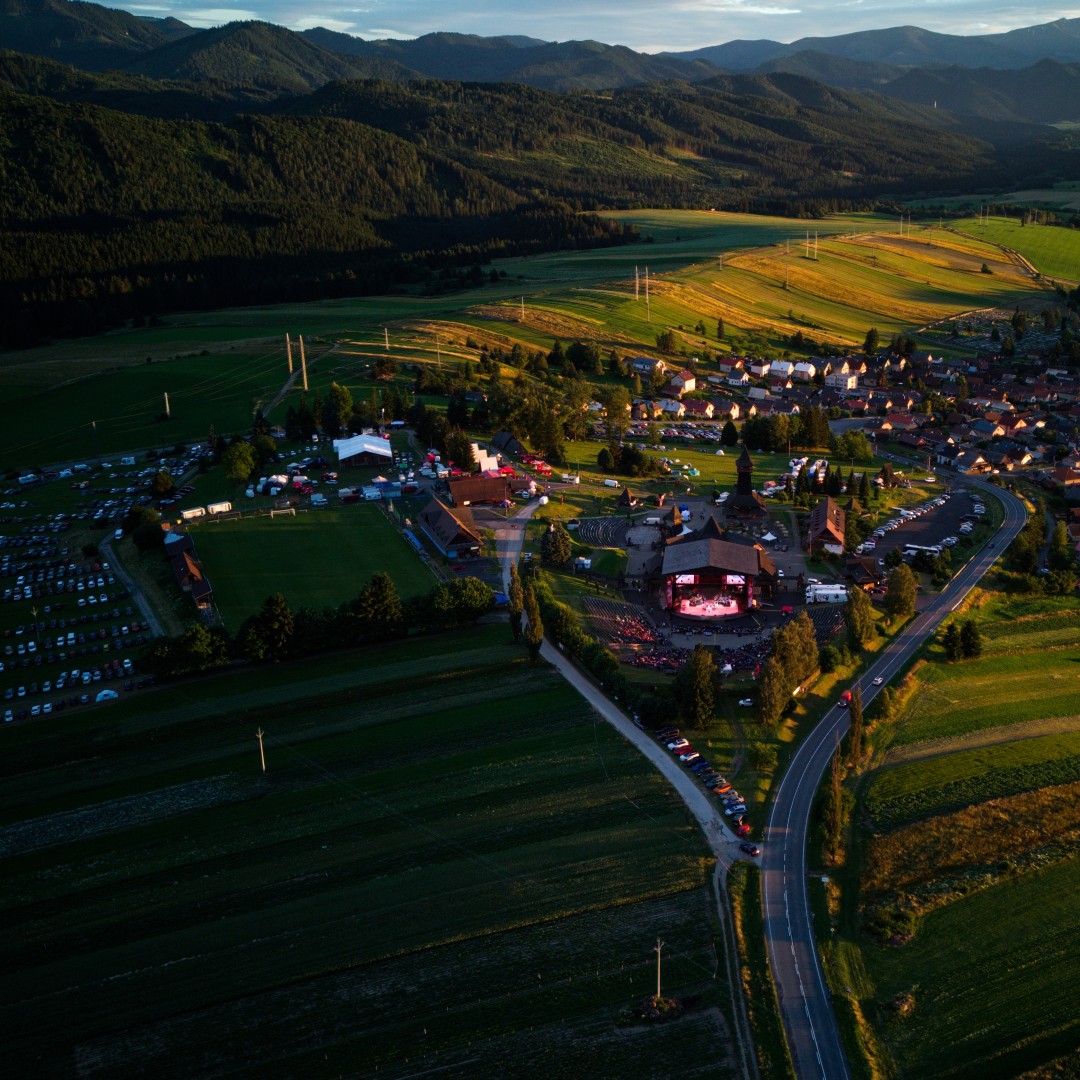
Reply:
x=768, y=538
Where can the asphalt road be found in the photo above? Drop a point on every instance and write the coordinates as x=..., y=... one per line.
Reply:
x=805, y=1004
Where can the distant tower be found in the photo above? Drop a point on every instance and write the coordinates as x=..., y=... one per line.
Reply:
x=746, y=502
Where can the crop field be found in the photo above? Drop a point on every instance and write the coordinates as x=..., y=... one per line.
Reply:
x=444, y=869
x=1008, y=687
x=994, y=980
x=948, y=782
x=1052, y=250
x=55, y=423
x=969, y=830
x=317, y=559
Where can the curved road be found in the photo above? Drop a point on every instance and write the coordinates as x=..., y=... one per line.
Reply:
x=812, y=1032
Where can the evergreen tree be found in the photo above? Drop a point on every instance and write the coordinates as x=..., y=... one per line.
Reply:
x=951, y=642
x=855, y=716
x=534, y=627
x=694, y=687
x=515, y=602
x=870, y=344
x=556, y=545
x=970, y=640
x=267, y=635
x=772, y=692
x=900, y=600
x=729, y=436
x=859, y=619
x=239, y=462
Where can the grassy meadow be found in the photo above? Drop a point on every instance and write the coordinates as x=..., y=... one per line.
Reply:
x=316, y=560
x=966, y=856
x=1052, y=250
x=752, y=272
x=169, y=906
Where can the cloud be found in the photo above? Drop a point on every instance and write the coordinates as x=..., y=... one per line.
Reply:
x=217, y=16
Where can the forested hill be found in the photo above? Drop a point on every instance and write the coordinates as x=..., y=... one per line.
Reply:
x=117, y=203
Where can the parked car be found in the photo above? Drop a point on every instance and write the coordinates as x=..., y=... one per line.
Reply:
x=750, y=849
x=746, y=702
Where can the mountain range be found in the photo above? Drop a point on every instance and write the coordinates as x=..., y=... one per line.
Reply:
x=1025, y=75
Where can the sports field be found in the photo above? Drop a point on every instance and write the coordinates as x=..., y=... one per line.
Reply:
x=316, y=559
x=449, y=869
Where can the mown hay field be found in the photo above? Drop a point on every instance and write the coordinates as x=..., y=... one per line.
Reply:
x=454, y=868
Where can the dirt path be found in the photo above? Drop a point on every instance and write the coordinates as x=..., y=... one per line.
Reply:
x=1032, y=729
x=723, y=843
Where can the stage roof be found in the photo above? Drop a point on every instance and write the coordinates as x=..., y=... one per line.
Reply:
x=709, y=554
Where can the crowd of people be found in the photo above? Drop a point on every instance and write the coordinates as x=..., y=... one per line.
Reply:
x=620, y=624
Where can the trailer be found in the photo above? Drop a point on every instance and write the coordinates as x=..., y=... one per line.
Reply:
x=826, y=594
x=193, y=514
x=218, y=508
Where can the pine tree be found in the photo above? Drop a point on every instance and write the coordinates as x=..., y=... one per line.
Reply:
x=970, y=640
x=951, y=642
x=515, y=602
x=534, y=628
x=855, y=714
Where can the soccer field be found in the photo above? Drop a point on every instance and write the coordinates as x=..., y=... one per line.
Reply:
x=315, y=560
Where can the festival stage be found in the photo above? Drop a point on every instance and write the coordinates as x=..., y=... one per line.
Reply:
x=700, y=606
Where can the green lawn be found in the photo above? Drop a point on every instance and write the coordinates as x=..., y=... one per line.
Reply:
x=317, y=559
x=994, y=977
x=448, y=865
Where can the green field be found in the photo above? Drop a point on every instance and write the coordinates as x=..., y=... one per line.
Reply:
x=1052, y=250
x=923, y=789
x=127, y=404
x=352, y=911
x=317, y=559
x=966, y=852
x=995, y=981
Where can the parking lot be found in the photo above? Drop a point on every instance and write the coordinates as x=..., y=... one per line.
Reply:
x=934, y=521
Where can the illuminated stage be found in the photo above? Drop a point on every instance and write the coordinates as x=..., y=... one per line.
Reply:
x=709, y=595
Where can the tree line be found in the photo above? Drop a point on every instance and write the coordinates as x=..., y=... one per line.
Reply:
x=277, y=633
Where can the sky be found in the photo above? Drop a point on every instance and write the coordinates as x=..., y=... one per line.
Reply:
x=642, y=25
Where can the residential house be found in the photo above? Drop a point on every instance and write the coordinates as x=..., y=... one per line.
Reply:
x=685, y=382
x=839, y=379
x=696, y=409
x=804, y=371
x=760, y=369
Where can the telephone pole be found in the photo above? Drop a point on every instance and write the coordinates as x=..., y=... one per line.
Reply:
x=168, y=414
x=288, y=352
x=262, y=752
x=386, y=338
x=303, y=362
x=659, y=946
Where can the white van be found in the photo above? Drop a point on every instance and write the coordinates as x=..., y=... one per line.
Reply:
x=611, y=483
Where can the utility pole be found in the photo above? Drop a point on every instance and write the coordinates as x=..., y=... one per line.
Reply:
x=386, y=338
x=815, y=245
x=262, y=752
x=637, y=284
x=721, y=262
x=523, y=309
x=288, y=352
x=648, y=310
x=168, y=415
x=303, y=362
x=659, y=946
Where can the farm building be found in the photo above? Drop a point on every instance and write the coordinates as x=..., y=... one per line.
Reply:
x=745, y=502
x=469, y=490
x=363, y=450
x=452, y=531
x=704, y=576
x=180, y=551
x=826, y=528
